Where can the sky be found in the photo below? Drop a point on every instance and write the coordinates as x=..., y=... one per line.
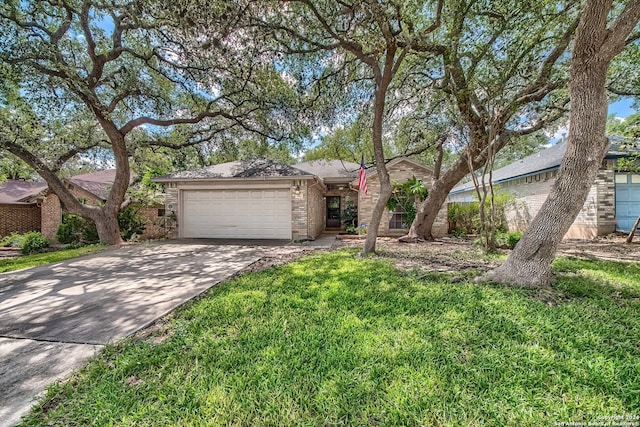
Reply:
x=622, y=108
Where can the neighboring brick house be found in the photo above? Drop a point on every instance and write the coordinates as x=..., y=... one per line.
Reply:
x=613, y=202
x=33, y=207
x=263, y=199
x=19, y=212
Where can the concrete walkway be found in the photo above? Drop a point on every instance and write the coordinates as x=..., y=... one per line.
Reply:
x=54, y=317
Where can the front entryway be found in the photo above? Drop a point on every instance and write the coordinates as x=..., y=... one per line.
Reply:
x=333, y=212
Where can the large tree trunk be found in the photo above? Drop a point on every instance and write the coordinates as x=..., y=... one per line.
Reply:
x=108, y=227
x=529, y=265
x=422, y=226
x=383, y=174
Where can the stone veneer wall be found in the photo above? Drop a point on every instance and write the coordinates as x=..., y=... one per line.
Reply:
x=20, y=218
x=172, y=209
x=606, y=191
x=316, y=209
x=299, y=210
x=401, y=172
x=156, y=226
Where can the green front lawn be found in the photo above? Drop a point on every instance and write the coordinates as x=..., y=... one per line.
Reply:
x=333, y=339
x=34, y=260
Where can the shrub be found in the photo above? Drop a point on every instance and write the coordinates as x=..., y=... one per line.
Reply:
x=350, y=216
x=13, y=240
x=34, y=242
x=464, y=217
x=76, y=230
x=131, y=225
x=508, y=240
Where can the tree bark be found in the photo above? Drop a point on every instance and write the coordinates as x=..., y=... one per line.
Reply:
x=529, y=265
x=422, y=226
x=382, y=83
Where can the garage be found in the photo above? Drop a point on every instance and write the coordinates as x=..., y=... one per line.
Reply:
x=627, y=200
x=236, y=214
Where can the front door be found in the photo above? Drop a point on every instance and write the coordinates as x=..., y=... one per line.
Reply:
x=333, y=212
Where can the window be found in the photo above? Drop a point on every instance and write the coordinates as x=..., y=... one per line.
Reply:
x=621, y=178
x=161, y=213
x=635, y=179
x=398, y=220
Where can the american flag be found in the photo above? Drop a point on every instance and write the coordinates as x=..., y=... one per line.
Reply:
x=362, y=181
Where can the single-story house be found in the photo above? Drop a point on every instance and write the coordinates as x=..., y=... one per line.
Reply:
x=613, y=203
x=264, y=199
x=32, y=206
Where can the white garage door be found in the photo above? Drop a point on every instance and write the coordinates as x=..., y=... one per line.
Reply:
x=239, y=214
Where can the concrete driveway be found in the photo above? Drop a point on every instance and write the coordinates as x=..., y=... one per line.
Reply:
x=53, y=318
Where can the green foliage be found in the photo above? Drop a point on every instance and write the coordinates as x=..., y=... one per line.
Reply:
x=131, y=224
x=13, y=240
x=76, y=230
x=31, y=242
x=350, y=217
x=464, y=217
x=147, y=192
x=508, y=240
x=250, y=148
x=406, y=196
x=12, y=167
x=34, y=242
x=628, y=130
x=503, y=239
x=348, y=143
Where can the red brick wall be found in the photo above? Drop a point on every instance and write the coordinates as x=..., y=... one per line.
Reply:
x=51, y=216
x=19, y=218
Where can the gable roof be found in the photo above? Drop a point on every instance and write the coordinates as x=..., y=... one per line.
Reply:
x=374, y=171
x=97, y=183
x=331, y=170
x=248, y=169
x=17, y=191
x=544, y=160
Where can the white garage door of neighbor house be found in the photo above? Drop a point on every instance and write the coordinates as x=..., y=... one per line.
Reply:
x=237, y=214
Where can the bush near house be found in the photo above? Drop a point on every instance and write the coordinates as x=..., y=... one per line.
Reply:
x=29, y=243
x=76, y=230
x=34, y=242
x=464, y=217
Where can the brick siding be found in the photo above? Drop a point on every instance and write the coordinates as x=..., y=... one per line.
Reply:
x=317, y=209
x=299, y=210
x=20, y=218
x=51, y=216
